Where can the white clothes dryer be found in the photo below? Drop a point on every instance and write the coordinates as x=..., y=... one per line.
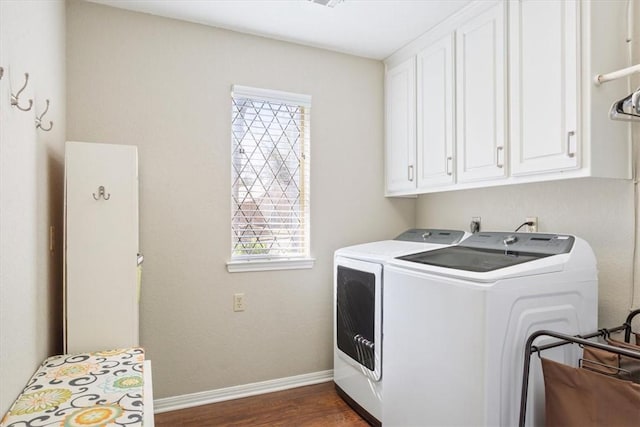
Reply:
x=358, y=318
x=456, y=321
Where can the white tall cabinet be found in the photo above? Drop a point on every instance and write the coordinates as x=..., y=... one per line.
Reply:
x=101, y=288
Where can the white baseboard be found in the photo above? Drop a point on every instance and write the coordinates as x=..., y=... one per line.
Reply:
x=236, y=392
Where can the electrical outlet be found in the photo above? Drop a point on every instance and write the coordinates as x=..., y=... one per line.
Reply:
x=532, y=228
x=474, y=226
x=238, y=302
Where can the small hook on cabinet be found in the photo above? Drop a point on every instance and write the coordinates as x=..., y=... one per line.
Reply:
x=39, y=120
x=15, y=98
x=101, y=193
x=1, y=72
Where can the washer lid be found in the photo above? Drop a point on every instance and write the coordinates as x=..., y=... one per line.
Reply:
x=485, y=252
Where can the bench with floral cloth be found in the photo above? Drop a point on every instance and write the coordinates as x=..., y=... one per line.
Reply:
x=104, y=388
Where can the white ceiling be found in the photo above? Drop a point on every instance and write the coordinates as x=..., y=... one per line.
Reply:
x=368, y=28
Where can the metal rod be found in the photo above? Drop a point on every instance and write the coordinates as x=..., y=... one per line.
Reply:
x=627, y=332
x=603, y=78
x=600, y=333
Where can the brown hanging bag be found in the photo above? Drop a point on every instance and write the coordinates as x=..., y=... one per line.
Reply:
x=583, y=398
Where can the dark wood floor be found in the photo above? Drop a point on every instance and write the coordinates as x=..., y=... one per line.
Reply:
x=314, y=405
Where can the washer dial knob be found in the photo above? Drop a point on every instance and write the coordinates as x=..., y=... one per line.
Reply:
x=509, y=240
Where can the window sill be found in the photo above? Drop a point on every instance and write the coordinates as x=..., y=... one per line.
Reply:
x=240, y=266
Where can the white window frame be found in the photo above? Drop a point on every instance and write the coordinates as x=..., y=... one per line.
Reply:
x=267, y=262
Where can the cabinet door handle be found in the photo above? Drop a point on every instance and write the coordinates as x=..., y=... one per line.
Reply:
x=449, y=165
x=498, y=151
x=410, y=173
x=569, y=135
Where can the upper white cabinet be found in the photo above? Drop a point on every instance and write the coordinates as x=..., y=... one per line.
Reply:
x=480, y=96
x=485, y=116
x=464, y=65
x=435, y=142
x=400, y=125
x=543, y=60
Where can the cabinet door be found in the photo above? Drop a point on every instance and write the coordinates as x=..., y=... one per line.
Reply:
x=101, y=245
x=543, y=69
x=480, y=97
x=400, y=114
x=435, y=114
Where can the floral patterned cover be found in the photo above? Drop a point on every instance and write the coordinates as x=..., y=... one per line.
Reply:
x=104, y=388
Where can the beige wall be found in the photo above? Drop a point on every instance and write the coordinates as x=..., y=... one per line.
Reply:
x=164, y=86
x=31, y=175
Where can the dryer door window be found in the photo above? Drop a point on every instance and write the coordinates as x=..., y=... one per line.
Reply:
x=356, y=314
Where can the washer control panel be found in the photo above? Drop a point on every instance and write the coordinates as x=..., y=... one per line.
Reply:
x=431, y=235
x=539, y=243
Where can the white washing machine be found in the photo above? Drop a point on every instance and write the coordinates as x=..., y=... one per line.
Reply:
x=359, y=277
x=456, y=321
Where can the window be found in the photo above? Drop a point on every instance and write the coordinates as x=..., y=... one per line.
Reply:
x=270, y=180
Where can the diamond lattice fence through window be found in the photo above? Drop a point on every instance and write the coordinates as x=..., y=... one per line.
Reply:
x=267, y=156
